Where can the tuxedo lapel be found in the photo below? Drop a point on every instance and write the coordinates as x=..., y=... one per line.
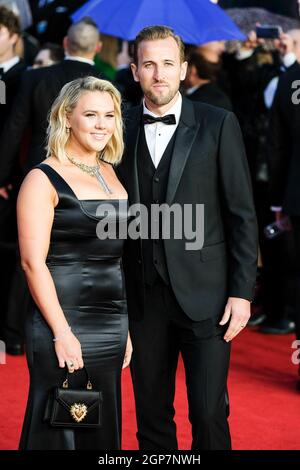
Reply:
x=185, y=136
x=133, y=128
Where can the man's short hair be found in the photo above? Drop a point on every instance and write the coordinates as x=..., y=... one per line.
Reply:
x=205, y=69
x=56, y=52
x=83, y=36
x=10, y=21
x=152, y=33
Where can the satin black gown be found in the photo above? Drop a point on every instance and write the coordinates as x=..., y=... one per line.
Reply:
x=88, y=278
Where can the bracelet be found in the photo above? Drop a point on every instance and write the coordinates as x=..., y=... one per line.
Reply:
x=64, y=332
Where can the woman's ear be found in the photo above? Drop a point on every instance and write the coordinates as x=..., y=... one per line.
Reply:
x=68, y=124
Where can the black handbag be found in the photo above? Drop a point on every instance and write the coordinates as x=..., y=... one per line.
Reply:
x=74, y=408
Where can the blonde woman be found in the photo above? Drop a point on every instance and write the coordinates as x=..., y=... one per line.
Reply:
x=79, y=313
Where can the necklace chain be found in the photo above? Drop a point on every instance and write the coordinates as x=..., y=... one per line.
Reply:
x=93, y=171
x=86, y=168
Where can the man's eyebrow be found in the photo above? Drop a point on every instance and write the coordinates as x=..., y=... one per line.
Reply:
x=153, y=62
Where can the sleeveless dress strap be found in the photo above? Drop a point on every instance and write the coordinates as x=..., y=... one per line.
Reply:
x=61, y=186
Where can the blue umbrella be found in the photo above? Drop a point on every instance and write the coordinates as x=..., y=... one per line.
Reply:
x=196, y=21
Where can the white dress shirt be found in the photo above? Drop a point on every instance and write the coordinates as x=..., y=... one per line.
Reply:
x=9, y=64
x=158, y=135
x=269, y=94
x=191, y=90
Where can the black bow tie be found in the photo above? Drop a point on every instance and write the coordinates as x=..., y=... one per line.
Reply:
x=168, y=119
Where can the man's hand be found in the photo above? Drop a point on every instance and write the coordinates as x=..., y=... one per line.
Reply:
x=251, y=42
x=239, y=311
x=278, y=216
x=4, y=191
x=285, y=44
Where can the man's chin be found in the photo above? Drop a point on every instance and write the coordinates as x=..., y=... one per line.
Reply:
x=160, y=100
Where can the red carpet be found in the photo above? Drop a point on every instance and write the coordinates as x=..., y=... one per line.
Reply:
x=262, y=387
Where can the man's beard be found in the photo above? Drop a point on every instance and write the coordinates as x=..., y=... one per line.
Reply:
x=163, y=99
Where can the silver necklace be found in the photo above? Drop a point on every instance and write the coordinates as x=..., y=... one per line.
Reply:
x=93, y=171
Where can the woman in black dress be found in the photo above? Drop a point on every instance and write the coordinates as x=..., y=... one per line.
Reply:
x=79, y=314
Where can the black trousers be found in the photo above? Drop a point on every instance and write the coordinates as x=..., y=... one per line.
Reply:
x=8, y=237
x=277, y=274
x=163, y=333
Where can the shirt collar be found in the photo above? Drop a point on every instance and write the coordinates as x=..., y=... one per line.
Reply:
x=175, y=109
x=191, y=90
x=9, y=64
x=79, y=59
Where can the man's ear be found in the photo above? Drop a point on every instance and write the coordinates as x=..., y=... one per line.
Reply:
x=192, y=71
x=134, y=71
x=14, y=39
x=183, y=70
x=65, y=43
x=99, y=47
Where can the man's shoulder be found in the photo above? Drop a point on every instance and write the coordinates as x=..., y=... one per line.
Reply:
x=34, y=75
x=77, y=65
x=131, y=112
x=70, y=67
x=131, y=116
x=208, y=111
x=18, y=68
x=56, y=76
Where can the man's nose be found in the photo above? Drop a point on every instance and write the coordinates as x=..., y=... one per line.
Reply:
x=159, y=74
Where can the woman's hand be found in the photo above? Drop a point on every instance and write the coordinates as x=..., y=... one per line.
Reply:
x=68, y=351
x=128, y=353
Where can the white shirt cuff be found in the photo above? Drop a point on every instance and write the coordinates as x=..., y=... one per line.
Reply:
x=276, y=208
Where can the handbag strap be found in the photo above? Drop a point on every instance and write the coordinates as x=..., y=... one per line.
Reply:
x=89, y=385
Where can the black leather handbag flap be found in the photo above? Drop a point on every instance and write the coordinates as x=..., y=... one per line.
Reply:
x=76, y=408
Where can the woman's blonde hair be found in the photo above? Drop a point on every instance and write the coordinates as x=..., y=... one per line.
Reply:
x=65, y=103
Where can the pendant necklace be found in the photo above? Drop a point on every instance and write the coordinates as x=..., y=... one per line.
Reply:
x=93, y=171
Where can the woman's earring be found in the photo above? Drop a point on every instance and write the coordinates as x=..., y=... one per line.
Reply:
x=68, y=130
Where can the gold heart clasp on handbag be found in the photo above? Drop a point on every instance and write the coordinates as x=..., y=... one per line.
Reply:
x=78, y=412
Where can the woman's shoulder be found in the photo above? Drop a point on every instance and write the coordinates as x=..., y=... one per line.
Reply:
x=37, y=180
x=44, y=169
x=52, y=161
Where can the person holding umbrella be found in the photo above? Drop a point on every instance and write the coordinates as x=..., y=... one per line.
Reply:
x=192, y=302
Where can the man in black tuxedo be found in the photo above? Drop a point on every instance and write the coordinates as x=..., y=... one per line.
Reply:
x=11, y=69
x=185, y=300
x=38, y=90
x=11, y=66
x=284, y=162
